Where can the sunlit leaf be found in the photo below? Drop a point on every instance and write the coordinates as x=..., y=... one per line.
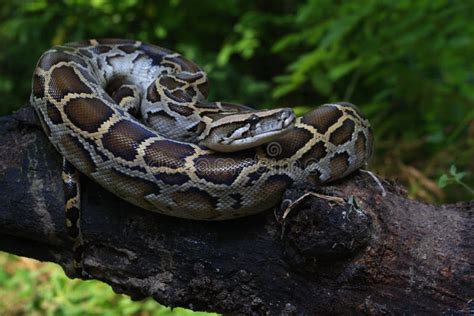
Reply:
x=342, y=69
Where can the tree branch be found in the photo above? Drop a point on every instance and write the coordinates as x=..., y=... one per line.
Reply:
x=375, y=255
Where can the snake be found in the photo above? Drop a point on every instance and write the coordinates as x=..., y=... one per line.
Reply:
x=134, y=118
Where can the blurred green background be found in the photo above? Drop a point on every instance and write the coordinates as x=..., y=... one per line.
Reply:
x=407, y=64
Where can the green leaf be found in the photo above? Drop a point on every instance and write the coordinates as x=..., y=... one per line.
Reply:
x=301, y=109
x=443, y=181
x=224, y=55
x=458, y=177
x=286, y=42
x=342, y=69
x=452, y=170
x=284, y=89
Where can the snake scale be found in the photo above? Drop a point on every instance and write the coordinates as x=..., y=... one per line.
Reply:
x=134, y=118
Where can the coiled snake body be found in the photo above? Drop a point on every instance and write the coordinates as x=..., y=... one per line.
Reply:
x=87, y=94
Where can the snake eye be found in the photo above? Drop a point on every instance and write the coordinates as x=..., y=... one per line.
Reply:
x=253, y=119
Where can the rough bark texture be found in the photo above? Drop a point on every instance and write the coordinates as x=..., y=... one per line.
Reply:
x=384, y=254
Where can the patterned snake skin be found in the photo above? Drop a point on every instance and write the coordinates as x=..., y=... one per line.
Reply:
x=77, y=89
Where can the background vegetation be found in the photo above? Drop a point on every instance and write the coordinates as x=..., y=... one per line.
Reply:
x=407, y=64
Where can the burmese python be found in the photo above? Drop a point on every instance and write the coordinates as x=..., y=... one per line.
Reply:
x=194, y=159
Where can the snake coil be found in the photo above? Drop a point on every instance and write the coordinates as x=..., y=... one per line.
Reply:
x=86, y=93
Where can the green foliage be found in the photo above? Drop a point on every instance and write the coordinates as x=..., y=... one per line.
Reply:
x=407, y=62
x=28, y=287
x=454, y=177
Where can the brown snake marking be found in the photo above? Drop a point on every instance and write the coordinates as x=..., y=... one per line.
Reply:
x=76, y=91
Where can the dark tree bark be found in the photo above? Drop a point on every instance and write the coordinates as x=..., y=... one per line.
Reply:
x=379, y=254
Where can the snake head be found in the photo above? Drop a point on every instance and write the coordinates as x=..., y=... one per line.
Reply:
x=240, y=131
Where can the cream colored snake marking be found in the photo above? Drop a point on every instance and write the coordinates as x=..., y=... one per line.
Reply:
x=134, y=118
